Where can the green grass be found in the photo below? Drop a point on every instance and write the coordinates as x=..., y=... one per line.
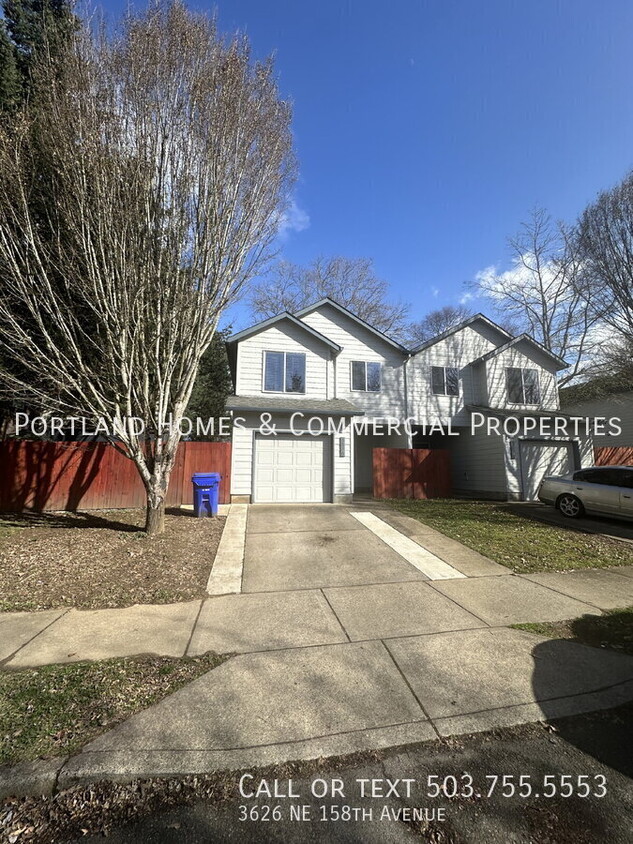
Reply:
x=612, y=630
x=56, y=709
x=518, y=542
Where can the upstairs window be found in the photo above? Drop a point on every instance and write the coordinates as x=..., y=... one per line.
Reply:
x=445, y=381
x=366, y=376
x=522, y=386
x=284, y=372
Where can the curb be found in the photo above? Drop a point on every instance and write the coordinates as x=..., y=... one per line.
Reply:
x=31, y=778
x=45, y=777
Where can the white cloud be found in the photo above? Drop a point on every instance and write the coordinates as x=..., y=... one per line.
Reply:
x=518, y=277
x=294, y=219
x=435, y=291
x=466, y=298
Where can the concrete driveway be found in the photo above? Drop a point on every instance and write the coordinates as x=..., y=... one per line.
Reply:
x=310, y=547
x=343, y=644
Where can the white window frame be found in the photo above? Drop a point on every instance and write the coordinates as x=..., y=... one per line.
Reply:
x=523, y=370
x=284, y=353
x=351, y=376
x=447, y=395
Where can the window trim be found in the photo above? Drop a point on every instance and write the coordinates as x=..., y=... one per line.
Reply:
x=523, y=370
x=444, y=393
x=285, y=354
x=351, y=376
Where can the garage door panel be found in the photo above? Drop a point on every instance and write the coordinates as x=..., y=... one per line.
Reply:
x=308, y=476
x=305, y=459
x=292, y=469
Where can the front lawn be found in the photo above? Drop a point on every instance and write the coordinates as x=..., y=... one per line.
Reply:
x=515, y=541
x=56, y=709
x=612, y=630
x=100, y=559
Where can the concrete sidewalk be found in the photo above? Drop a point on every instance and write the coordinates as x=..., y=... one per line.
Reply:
x=341, y=645
x=273, y=620
x=264, y=708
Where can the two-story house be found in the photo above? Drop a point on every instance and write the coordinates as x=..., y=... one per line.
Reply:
x=316, y=391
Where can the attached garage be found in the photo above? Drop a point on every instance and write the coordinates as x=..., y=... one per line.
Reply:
x=540, y=458
x=292, y=469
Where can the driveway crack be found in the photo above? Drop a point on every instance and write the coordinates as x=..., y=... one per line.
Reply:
x=410, y=687
x=334, y=613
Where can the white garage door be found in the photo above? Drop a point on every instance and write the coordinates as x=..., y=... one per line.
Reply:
x=541, y=459
x=292, y=469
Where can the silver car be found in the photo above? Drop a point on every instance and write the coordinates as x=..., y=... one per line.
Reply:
x=600, y=490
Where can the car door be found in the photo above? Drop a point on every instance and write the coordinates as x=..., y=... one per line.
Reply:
x=626, y=493
x=599, y=490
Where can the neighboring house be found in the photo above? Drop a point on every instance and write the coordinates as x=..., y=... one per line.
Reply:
x=616, y=405
x=326, y=363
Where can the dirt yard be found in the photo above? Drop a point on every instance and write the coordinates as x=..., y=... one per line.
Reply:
x=102, y=558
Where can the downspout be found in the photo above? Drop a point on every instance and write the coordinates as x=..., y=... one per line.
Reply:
x=406, y=399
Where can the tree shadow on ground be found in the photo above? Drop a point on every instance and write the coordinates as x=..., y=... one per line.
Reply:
x=72, y=520
x=568, y=679
x=613, y=630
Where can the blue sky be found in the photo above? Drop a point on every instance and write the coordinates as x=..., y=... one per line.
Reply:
x=427, y=129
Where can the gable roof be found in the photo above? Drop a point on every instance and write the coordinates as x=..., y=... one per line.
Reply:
x=327, y=301
x=525, y=338
x=464, y=324
x=260, y=326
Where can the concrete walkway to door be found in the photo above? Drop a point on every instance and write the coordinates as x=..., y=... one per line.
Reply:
x=341, y=645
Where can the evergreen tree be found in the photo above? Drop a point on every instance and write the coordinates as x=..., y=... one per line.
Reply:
x=10, y=78
x=213, y=384
x=30, y=27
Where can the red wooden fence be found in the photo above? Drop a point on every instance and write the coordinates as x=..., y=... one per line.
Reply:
x=95, y=476
x=621, y=455
x=411, y=473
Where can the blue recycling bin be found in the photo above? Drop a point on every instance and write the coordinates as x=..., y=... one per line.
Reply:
x=206, y=494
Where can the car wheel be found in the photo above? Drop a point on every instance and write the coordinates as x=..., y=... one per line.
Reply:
x=570, y=506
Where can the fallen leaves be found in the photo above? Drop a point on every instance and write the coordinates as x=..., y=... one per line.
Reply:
x=102, y=559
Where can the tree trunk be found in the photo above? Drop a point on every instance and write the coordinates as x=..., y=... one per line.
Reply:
x=155, y=516
x=156, y=480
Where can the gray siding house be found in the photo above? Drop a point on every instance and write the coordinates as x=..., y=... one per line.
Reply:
x=323, y=378
x=614, y=405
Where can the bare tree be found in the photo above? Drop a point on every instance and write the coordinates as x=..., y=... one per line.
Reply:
x=605, y=242
x=351, y=282
x=436, y=322
x=169, y=164
x=539, y=294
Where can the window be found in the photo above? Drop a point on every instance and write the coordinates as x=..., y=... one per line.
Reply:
x=523, y=386
x=606, y=477
x=284, y=372
x=444, y=381
x=366, y=376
